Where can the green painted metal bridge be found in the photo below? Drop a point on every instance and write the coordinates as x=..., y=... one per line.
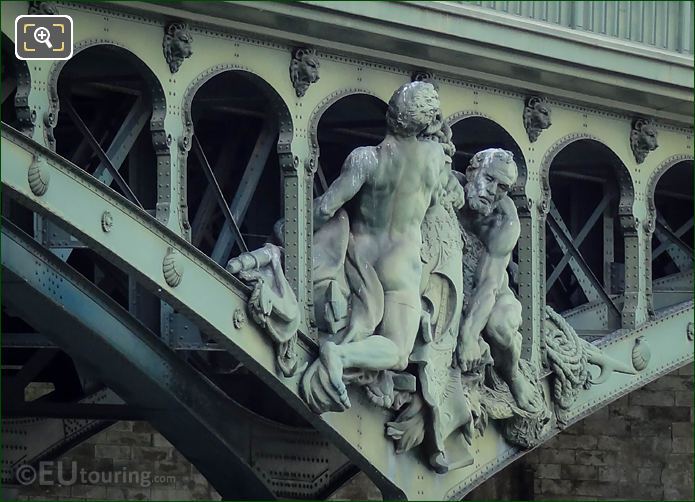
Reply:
x=179, y=135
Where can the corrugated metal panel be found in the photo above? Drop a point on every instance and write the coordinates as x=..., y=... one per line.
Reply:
x=663, y=24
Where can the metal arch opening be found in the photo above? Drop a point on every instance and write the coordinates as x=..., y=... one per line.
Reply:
x=106, y=101
x=671, y=244
x=473, y=134
x=237, y=131
x=585, y=247
x=350, y=122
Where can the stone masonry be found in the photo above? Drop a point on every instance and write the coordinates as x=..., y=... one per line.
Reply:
x=638, y=447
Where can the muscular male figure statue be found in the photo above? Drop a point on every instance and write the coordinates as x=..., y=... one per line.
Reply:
x=493, y=309
x=392, y=184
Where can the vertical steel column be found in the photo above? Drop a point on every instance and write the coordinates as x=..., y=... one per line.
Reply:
x=297, y=248
x=531, y=278
x=635, y=307
x=608, y=242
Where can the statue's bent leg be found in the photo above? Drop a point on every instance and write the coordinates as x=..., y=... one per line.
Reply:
x=401, y=322
x=388, y=350
x=372, y=353
x=502, y=333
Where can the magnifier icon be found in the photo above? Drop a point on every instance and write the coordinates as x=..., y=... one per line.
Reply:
x=43, y=36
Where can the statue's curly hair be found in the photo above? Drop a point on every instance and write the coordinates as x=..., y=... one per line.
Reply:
x=406, y=104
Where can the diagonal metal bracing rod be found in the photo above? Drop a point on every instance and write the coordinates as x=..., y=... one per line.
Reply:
x=124, y=140
x=193, y=414
x=119, y=148
x=228, y=216
x=590, y=293
x=100, y=127
x=596, y=285
x=201, y=221
x=673, y=238
x=70, y=109
x=579, y=239
x=247, y=187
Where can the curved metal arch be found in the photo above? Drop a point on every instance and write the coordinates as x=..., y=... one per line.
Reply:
x=286, y=126
x=653, y=181
x=25, y=116
x=519, y=188
x=321, y=108
x=278, y=104
x=160, y=140
x=625, y=181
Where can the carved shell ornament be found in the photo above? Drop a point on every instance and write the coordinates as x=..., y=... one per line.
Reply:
x=304, y=69
x=643, y=138
x=641, y=354
x=38, y=176
x=536, y=117
x=172, y=267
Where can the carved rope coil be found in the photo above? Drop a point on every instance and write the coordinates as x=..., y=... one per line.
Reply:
x=566, y=357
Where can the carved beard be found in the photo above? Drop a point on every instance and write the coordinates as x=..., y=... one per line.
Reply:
x=476, y=203
x=435, y=126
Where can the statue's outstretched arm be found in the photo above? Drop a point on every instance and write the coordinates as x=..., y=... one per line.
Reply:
x=491, y=278
x=353, y=175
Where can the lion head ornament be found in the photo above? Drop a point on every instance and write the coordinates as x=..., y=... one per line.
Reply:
x=304, y=70
x=177, y=45
x=643, y=138
x=536, y=117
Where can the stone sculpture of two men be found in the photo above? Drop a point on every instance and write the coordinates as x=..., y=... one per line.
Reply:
x=368, y=266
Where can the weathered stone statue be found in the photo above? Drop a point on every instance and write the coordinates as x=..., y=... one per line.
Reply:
x=272, y=304
x=389, y=188
x=494, y=311
x=412, y=296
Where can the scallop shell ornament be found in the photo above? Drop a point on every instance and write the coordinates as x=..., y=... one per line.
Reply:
x=38, y=176
x=172, y=267
x=641, y=354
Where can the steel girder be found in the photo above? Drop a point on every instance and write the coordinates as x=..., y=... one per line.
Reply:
x=30, y=440
x=358, y=432
x=187, y=409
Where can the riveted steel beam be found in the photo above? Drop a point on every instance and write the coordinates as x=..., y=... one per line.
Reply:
x=359, y=431
x=213, y=311
x=35, y=439
x=130, y=359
